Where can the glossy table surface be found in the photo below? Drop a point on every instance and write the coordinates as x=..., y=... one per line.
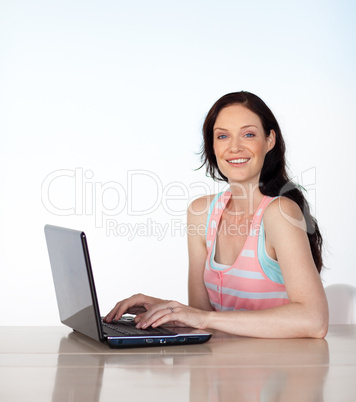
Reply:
x=56, y=364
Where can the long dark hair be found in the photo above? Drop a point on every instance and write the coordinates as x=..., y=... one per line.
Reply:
x=274, y=180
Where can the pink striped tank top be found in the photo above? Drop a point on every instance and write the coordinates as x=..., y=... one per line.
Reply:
x=244, y=285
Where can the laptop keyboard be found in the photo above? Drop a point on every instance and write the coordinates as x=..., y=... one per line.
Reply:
x=129, y=328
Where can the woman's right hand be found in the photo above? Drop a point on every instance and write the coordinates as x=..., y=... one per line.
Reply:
x=137, y=304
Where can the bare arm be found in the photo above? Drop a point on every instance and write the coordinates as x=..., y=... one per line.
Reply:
x=196, y=219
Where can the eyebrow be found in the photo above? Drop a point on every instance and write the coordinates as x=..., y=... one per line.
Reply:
x=225, y=129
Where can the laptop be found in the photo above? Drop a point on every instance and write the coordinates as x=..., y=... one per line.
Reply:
x=77, y=300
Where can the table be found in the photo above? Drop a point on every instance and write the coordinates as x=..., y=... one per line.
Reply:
x=56, y=364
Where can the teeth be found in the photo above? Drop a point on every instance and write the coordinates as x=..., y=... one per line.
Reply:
x=238, y=160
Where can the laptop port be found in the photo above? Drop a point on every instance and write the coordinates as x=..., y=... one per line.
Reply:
x=149, y=340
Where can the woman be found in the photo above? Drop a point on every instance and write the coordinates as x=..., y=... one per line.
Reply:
x=255, y=270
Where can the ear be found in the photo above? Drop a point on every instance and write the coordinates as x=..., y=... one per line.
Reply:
x=271, y=140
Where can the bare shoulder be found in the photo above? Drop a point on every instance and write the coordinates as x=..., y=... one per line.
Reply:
x=199, y=208
x=196, y=226
x=284, y=213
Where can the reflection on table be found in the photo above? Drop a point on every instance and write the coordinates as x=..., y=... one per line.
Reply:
x=67, y=366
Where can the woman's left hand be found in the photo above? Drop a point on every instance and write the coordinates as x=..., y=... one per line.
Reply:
x=174, y=313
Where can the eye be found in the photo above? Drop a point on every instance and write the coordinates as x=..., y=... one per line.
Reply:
x=221, y=136
x=249, y=135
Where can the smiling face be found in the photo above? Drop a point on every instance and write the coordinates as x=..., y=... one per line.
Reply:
x=240, y=144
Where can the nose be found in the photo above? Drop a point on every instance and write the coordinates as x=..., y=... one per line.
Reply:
x=236, y=145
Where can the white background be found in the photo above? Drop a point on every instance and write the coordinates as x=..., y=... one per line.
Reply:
x=97, y=90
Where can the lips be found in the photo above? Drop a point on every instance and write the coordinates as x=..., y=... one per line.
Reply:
x=238, y=161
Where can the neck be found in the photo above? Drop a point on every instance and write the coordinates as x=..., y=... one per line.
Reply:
x=245, y=198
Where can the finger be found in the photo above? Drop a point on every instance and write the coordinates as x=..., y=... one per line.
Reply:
x=145, y=317
x=111, y=314
x=129, y=305
x=138, y=317
x=119, y=309
x=172, y=318
x=136, y=310
x=155, y=314
x=165, y=305
x=114, y=312
x=123, y=308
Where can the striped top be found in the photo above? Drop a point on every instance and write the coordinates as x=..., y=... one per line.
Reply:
x=244, y=285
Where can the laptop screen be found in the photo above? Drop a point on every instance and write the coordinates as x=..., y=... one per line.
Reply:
x=76, y=296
